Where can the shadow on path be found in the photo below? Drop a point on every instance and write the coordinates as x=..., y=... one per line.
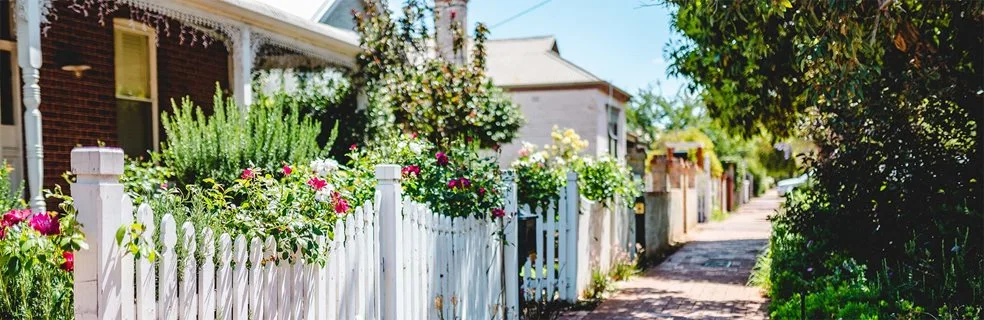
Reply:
x=705, y=279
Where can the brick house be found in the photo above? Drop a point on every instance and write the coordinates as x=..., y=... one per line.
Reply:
x=77, y=73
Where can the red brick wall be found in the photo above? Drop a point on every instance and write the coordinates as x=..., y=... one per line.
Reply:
x=82, y=111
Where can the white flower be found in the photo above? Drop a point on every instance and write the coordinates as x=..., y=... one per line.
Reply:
x=324, y=167
x=324, y=195
x=416, y=147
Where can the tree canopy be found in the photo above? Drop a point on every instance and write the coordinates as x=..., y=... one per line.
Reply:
x=891, y=92
x=410, y=90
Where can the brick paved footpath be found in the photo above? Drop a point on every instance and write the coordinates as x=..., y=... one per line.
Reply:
x=684, y=287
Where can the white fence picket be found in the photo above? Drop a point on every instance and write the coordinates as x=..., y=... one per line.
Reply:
x=256, y=278
x=223, y=279
x=188, y=294
x=168, y=303
x=240, y=276
x=206, y=277
x=146, y=281
x=270, y=284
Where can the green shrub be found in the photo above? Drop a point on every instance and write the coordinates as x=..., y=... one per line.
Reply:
x=540, y=174
x=220, y=145
x=599, y=285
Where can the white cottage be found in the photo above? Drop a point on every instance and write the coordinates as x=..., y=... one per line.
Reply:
x=552, y=91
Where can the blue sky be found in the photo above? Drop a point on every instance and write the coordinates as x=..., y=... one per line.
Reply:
x=621, y=41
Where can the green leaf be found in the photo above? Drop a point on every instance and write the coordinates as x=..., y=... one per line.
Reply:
x=119, y=235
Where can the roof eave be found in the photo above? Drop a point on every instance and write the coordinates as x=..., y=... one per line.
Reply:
x=342, y=43
x=618, y=93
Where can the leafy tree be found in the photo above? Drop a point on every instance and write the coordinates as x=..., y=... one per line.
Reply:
x=432, y=97
x=651, y=113
x=890, y=92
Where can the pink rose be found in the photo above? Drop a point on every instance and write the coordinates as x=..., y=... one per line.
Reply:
x=481, y=192
x=69, y=263
x=341, y=206
x=498, y=212
x=45, y=223
x=353, y=147
x=453, y=183
x=317, y=183
x=287, y=170
x=3, y=231
x=411, y=170
x=248, y=174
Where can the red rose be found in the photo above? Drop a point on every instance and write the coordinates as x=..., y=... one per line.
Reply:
x=69, y=263
x=15, y=216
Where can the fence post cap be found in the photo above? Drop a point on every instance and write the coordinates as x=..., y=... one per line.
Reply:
x=97, y=161
x=571, y=175
x=388, y=172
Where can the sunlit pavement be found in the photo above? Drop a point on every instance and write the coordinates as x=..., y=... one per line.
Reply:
x=705, y=279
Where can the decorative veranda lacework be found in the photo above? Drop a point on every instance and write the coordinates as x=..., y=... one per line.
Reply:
x=193, y=28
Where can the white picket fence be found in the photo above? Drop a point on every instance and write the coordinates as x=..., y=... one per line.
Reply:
x=240, y=279
x=392, y=260
x=452, y=267
x=550, y=273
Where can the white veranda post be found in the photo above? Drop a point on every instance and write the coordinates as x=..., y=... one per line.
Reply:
x=28, y=15
x=242, y=68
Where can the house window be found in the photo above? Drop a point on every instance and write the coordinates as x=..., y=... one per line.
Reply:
x=613, y=114
x=136, y=86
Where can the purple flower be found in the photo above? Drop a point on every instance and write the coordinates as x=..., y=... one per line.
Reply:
x=481, y=192
x=464, y=183
x=453, y=183
x=498, y=212
x=45, y=223
x=810, y=269
x=442, y=159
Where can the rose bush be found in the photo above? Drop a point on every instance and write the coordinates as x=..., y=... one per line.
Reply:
x=37, y=256
x=456, y=181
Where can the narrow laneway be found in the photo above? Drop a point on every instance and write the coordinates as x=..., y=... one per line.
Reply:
x=703, y=280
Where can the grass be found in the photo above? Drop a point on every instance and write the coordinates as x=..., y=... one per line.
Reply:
x=719, y=215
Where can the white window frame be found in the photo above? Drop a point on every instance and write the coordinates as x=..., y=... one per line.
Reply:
x=614, y=138
x=134, y=27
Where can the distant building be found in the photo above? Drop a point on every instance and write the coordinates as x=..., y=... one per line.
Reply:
x=552, y=91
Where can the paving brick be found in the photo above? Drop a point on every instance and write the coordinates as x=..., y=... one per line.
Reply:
x=683, y=288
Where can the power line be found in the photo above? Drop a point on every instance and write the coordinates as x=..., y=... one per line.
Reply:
x=524, y=12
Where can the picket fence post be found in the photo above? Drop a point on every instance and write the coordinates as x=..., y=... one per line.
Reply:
x=511, y=247
x=390, y=197
x=103, y=273
x=573, y=199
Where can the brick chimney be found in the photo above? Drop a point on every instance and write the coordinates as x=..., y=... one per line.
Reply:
x=448, y=13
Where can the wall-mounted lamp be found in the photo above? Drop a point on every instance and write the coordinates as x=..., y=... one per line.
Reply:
x=72, y=61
